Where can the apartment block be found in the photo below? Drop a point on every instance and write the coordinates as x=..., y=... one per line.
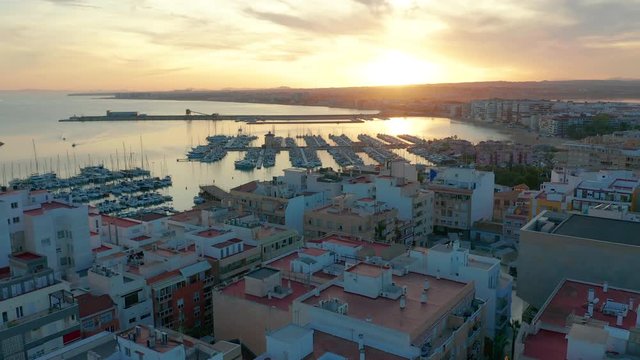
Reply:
x=452, y=262
x=61, y=233
x=39, y=313
x=365, y=218
x=257, y=304
x=128, y=291
x=461, y=197
x=583, y=321
x=554, y=246
x=97, y=314
x=407, y=316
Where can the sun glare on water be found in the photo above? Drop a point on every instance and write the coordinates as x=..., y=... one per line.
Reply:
x=398, y=68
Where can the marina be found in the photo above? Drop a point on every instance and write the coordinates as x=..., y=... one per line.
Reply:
x=165, y=141
x=119, y=192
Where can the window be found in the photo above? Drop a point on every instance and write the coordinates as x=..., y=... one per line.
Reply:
x=16, y=220
x=5, y=316
x=127, y=351
x=60, y=234
x=106, y=317
x=88, y=324
x=14, y=205
x=19, y=312
x=196, y=311
x=180, y=303
x=196, y=297
x=130, y=300
x=45, y=242
x=132, y=320
x=140, y=356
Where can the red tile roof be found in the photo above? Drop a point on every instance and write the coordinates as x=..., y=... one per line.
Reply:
x=48, y=206
x=227, y=243
x=211, y=233
x=89, y=304
x=101, y=249
x=237, y=290
x=572, y=298
x=26, y=255
x=546, y=345
x=163, y=276
x=324, y=343
x=120, y=222
x=314, y=252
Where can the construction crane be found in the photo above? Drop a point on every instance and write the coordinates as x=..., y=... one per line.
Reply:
x=189, y=112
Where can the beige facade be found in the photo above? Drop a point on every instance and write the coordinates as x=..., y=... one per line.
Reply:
x=377, y=226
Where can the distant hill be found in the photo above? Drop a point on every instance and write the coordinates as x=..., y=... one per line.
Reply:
x=366, y=97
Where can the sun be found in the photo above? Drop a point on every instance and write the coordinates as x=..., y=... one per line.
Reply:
x=398, y=68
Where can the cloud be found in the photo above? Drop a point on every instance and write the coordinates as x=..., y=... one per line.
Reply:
x=74, y=3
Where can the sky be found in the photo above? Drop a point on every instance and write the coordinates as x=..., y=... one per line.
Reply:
x=213, y=44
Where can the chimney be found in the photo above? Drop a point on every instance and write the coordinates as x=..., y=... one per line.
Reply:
x=423, y=297
x=638, y=317
x=361, y=346
x=619, y=319
x=403, y=302
x=591, y=295
x=426, y=285
x=590, y=310
x=632, y=301
x=605, y=287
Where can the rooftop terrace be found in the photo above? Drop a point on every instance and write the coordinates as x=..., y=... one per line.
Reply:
x=442, y=294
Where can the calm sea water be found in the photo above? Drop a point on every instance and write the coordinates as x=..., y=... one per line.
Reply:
x=32, y=117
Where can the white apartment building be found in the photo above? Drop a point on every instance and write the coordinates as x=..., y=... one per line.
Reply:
x=462, y=196
x=413, y=203
x=61, y=233
x=38, y=312
x=454, y=263
x=128, y=291
x=5, y=238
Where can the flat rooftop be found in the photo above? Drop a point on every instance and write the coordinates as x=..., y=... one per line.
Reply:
x=571, y=298
x=602, y=229
x=442, y=294
x=262, y=273
x=237, y=290
x=325, y=343
x=144, y=336
x=210, y=233
x=366, y=270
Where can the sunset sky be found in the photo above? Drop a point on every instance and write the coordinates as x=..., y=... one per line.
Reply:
x=213, y=44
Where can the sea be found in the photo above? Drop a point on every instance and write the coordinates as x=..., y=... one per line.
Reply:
x=36, y=142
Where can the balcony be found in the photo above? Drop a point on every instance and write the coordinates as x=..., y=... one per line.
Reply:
x=57, y=318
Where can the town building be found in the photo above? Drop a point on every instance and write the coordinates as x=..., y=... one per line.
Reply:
x=365, y=218
x=96, y=314
x=39, y=313
x=462, y=196
x=128, y=291
x=583, y=321
x=257, y=304
x=450, y=261
x=148, y=342
x=409, y=316
x=61, y=233
x=554, y=246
